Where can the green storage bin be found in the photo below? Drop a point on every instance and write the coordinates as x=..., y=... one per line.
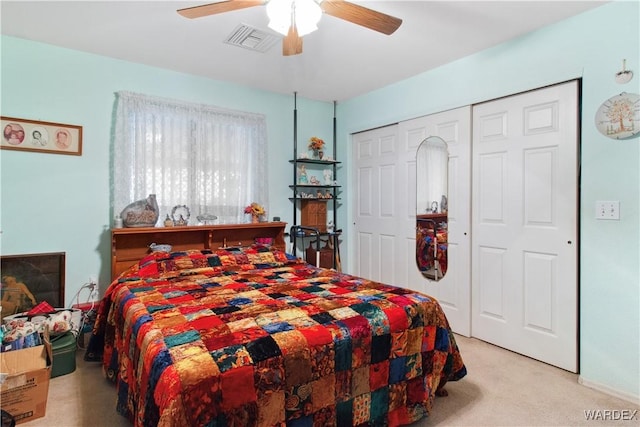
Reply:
x=63, y=348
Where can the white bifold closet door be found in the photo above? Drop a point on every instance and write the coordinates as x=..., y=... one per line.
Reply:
x=524, y=204
x=453, y=291
x=384, y=214
x=379, y=206
x=513, y=206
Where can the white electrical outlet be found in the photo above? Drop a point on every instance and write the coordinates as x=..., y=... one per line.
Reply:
x=608, y=210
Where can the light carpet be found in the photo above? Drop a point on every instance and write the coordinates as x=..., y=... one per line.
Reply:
x=501, y=388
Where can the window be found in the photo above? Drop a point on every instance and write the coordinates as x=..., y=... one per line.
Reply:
x=211, y=160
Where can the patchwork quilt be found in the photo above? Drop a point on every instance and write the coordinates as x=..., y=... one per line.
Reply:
x=255, y=337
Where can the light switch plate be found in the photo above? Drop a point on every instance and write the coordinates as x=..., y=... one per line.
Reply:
x=608, y=210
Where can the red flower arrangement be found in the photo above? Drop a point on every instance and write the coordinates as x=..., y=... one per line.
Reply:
x=316, y=143
x=254, y=209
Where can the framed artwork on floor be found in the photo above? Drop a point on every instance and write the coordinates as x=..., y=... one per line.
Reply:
x=28, y=280
x=46, y=137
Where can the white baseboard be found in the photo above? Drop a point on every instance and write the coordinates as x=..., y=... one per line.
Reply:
x=631, y=398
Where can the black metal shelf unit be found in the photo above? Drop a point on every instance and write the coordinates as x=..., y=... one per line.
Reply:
x=331, y=236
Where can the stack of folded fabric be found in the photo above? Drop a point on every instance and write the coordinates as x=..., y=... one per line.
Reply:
x=18, y=334
x=24, y=329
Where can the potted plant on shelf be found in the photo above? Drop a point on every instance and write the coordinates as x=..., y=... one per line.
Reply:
x=256, y=211
x=316, y=145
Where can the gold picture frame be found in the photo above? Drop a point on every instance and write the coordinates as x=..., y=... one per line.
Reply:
x=44, y=137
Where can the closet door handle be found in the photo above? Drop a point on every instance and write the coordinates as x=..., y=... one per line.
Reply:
x=569, y=242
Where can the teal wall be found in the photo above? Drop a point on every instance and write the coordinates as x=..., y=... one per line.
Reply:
x=53, y=203
x=59, y=203
x=590, y=46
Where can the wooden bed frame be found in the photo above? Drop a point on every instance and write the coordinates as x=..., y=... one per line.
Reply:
x=129, y=245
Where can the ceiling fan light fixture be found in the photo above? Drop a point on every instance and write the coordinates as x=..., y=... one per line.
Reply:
x=304, y=14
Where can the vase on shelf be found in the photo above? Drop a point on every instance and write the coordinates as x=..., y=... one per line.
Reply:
x=320, y=154
x=255, y=218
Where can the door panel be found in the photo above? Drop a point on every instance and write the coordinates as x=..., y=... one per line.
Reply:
x=453, y=290
x=385, y=168
x=491, y=272
x=524, y=274
x=374, y=198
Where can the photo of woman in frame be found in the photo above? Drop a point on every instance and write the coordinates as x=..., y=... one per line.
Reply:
x=39, y=136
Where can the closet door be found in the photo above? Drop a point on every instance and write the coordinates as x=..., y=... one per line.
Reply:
x=384, y=213
x=378, y=206
x=525, y=205
x=454, y=290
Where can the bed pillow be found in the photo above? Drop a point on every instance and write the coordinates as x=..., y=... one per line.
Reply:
x=245, y=258
x=256, y=256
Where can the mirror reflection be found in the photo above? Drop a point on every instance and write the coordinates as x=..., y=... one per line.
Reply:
x=432, y=164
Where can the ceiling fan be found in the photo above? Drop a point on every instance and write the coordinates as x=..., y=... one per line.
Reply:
x=290, y=19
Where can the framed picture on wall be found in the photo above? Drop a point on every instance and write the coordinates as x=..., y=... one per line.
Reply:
x=46, y=137
x=28, y=280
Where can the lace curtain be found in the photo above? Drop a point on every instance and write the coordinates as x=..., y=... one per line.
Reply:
x=209, y=159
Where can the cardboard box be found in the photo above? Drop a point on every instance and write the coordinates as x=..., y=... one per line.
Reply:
x=24, y=378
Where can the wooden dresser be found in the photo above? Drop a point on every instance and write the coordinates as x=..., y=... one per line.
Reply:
x=129, y=245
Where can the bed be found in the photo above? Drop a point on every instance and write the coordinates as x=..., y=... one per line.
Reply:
x=253, y=336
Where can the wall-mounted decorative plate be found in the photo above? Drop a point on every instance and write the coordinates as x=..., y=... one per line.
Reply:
x=619, y=116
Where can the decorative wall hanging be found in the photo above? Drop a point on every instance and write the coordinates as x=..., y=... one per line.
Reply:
x=46, y=137
x=619, y=116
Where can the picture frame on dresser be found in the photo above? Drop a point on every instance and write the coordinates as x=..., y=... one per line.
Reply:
x=30, y=279
x=38, y=136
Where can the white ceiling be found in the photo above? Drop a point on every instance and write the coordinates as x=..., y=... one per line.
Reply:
x=339, y=61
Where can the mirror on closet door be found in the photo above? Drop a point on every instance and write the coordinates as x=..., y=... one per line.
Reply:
x=432, y=164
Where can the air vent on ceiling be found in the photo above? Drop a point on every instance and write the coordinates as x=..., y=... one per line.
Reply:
x=251, y=38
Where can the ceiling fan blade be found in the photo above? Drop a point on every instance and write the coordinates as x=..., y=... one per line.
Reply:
x=360, y=15
x=219, y=7
x=292, y=42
